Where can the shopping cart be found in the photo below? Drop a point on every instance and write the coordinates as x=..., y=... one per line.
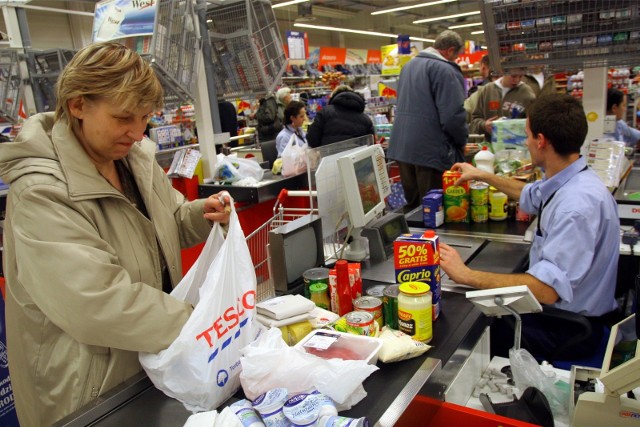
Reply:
x=258, y=240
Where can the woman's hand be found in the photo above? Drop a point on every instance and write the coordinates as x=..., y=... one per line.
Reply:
x=217, y=207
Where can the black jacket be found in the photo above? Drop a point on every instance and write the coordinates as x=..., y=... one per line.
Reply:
x=342, y=119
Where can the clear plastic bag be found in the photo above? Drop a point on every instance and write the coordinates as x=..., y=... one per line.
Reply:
x=231, y=169
x=528, y=373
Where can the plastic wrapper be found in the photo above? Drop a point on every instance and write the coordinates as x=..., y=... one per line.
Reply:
x=528, y=373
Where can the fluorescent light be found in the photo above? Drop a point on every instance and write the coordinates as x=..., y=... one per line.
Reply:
x=442, y=18
x=287, y=3
x=413, y=6
x=368, y=33
x=477, y=32
x=475, y=24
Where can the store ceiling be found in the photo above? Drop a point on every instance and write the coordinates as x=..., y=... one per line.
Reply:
x=356, y=14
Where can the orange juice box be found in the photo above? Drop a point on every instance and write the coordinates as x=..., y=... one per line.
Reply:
x=456, y=198
x=417, y=258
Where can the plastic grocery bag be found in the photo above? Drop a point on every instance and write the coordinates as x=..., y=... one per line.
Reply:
x=269, y=363
x=201, y=367
x=527, y=373
x=231, y=169
x=294, y=158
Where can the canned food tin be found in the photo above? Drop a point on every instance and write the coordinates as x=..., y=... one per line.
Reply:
x=376, y=291
x=479, y=193
x=479, y=213
x=415, y=311
x=320, y=295
x=371, y=305
x=360, y=323
x=390, y=306
x=314, y=275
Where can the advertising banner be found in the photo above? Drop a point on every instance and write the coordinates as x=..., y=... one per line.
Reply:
x=297, y=44
x=115, y=19
x=332, y=55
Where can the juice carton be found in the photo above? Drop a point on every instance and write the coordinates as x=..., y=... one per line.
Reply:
x=417, y=258
x=432, y=210
x=456, y=198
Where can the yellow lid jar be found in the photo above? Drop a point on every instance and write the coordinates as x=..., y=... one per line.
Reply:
x=414, y=310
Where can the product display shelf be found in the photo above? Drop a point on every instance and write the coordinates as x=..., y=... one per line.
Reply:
x=44, y=68
x=175, y=49
x=9, y=84
x=562, y=34
x=247, y=53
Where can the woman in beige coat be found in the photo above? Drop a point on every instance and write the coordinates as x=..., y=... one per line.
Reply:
x=93, y=234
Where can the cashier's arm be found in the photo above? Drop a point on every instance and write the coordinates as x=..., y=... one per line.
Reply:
x=457, y=271
x=511, y=187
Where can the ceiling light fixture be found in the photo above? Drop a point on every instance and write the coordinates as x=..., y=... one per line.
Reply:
x=475, y=24
x=413, y=6
x=442, y=18
x=287, y=3
x=368, y=33
x=477, y=32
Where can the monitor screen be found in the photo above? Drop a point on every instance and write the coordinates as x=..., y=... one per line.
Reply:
x=621, y=365
x=365, y=183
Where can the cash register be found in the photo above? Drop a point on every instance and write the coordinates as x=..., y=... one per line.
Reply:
x=619, y=375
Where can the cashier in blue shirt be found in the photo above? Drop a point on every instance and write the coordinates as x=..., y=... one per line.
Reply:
x=295, y=114
x=573, y=260
x=617, y=106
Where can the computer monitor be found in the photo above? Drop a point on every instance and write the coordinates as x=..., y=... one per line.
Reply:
x=294, y=248
x=620, y=371
x=366, y=183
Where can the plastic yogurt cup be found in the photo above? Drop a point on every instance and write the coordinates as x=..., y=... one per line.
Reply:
x=335, y=421
x=270, y=404
x=246, y=414
x=327, y=405
x=303, y=409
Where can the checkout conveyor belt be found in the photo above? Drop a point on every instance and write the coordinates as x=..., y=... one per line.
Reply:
x=456, y=332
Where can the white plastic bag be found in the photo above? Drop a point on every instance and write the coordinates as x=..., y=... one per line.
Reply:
x=270, y=363
x=294, y=158
x=528, y=373
x=201, y=367
x=231, y=169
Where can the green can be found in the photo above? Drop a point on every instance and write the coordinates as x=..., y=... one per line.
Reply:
x=390, y=306
x=479, y=193
x=314, y=275
x=479, y=213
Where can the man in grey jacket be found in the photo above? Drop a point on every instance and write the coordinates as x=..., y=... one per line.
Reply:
x=429, y=130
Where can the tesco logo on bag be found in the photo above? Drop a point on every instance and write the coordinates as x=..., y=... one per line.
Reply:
x=230, y=318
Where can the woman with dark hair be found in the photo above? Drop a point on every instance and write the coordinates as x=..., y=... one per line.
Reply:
x=343, y=118
x=295, y=114
x=617, y=106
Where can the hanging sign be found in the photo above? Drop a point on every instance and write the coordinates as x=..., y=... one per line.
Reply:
x=115, y=19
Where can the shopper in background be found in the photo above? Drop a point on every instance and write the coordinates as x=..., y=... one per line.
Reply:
x=574, y=256
x=283, y=98
x=617, y=106
x=294, y=116
x=343, y=118
x=540, y=83
x=485, y=71
x=506, y=97
x=92, y=239
x=429, y=131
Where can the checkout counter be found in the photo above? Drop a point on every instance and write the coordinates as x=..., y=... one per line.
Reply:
x=447, y=371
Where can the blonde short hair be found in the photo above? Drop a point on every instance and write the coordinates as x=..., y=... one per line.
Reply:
x=107, y=70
